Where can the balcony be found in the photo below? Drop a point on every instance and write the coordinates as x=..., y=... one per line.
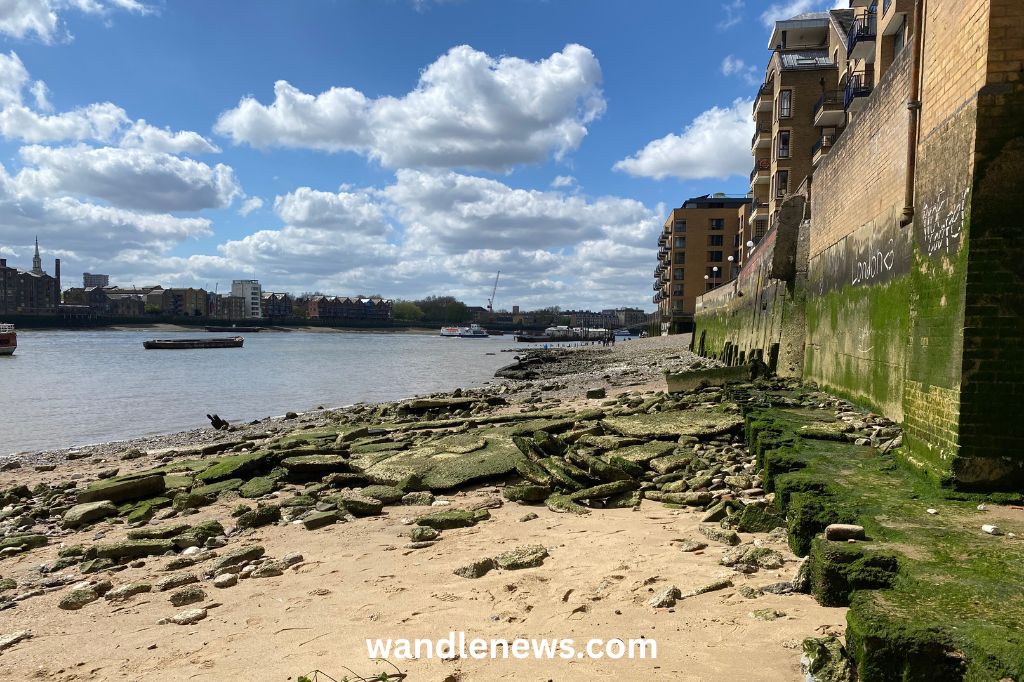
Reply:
x=858, y=88
x=829, y=111
x=761, y=174
x=860, y=43
x=821, y=148
x=758, y=211
x=763, y=101
x=762, y=136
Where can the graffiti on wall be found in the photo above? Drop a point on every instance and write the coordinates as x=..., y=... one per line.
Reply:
x=875, y=264
x=942, y=222
x=874, y=254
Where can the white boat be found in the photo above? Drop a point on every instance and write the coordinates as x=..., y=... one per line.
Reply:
x=622, y=332
x=473, y=331
x=8, y=339
x=450, y=331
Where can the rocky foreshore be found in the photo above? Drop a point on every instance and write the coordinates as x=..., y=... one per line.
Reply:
x=442, y=501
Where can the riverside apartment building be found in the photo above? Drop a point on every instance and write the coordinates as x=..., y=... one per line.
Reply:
x=698, y=250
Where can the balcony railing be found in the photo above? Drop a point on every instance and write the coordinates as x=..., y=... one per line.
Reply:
x=859, y=84
x=825, y=143
x=829, y=99
x=759, y=130
x=765, y=91
x=863, y=29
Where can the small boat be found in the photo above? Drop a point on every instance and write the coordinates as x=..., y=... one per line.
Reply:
x=237, y=330
x=8, y=339
x=473, y=331
x=191, y=344
x=450, y=331
x=622, y=332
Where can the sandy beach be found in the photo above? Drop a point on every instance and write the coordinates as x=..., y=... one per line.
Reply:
x=361, y=578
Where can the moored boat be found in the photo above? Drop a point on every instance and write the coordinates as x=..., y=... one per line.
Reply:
x=473, y=331
x=450, y=331
x=236, y=330
x=8, y=339
x=191, y=344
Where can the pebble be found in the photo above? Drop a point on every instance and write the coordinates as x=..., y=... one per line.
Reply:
x=189, y=617
x=991, y=529
x=666, y=598
x=225, y=580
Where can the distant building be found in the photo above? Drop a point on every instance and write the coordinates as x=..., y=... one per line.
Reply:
x=180, y=302
x=249, y=290
x=698, y=250
x=91, y=280
x=329, y=308
x=276, y=305
x=227, y=307
x=30, y=293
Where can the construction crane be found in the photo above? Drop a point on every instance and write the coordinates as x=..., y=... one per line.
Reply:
x=490, y=301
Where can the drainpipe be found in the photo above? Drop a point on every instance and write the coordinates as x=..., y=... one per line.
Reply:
x=914, y=112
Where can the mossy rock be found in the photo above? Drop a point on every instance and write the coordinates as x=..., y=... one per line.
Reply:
x=196, y=536
x=607, y=442
x=299, y=501
x=632, y=469
x=258, y=487
x=566, y=475
x=605, y=490
x=143, y=511
x=158, y=532
x=262, y=515
x=526, y=493
x=699, y=423
x=564, y=505
x=357, y=504
x=215, y=489
x=644, y=452
x=758, y=518
x=671, y=463
x=189, y=500
x=236, y=466
x=124, y=488
x=239, y=556
x=384, y=446
x=598, y=469
x=313, y=467
x=550, y=445
x=386, y=494
x=174, y=482
x=527, y=556
x=837, y=569
x=26, y=540
x=533, y=472
x=455, y=518
x=423, y=533
x=127, y=550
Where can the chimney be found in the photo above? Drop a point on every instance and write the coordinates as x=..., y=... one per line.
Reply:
x=56, y=275
x=3, y=262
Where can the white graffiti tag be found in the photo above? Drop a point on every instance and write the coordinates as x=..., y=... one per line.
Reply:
x=942, y=221
x=874, y=265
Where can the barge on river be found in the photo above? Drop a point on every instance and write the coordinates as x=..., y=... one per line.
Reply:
x=191, y=344
x=8, y=339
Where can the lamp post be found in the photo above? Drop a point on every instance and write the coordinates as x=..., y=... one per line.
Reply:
x=750, y=245
x=714, y=277
x=706, y=278
x=732, y=271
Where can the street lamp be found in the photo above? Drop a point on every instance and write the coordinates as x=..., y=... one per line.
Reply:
x=732, y=271
x=714, y=276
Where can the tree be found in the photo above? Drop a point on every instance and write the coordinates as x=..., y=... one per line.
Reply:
x=444, y=309
x=406, y=310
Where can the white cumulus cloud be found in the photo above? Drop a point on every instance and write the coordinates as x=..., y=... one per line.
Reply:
x=715, y=145
x=41, y=19
x=249, y=205
x=467, y=110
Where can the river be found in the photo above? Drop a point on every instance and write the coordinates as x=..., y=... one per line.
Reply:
x=71, y=388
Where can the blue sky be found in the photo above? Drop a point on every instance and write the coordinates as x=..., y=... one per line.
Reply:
x=399, y=147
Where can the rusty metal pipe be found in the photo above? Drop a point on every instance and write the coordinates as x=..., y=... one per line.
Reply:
x=913, y=111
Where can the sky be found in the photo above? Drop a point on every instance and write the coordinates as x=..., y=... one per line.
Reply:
x=357, y=147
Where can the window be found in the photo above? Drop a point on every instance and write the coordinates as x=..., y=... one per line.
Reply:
x=677, y=305
x=677, y=289
x=785, y=103
x=680, y=242
x=680, y=226
x=781, y=183
x=782, y=145
x=679, y=258
x=716, y=239
x=718, y=223
x=677, y=273
x=714, y=256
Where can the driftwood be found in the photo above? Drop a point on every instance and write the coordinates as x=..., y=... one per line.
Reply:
x=217, y=422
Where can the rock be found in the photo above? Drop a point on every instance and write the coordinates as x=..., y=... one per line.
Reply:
x=270, y=569
x=76, y=599
x=133, y=549
x=236, y=466
x=385, y=494
x=666, y=598
x=422, y=498
x=758, y=518
x=844, y=531
x=825, y=660
x=12, y=638
x=262, y=515
x=527, y=556
x=595, y=393
x=240, y=556
x=319, y=519
x=87, y=512
x=562, y=504
x=423, y=533
x=715, y=586
x=23, y=542
x=991, y=529
x=308, y=467
x=446, y=520
x=189, y=617
x=127, y=591
x=528, y=517
x=197, y=535
x=604, y=490
x=225, y=580
x=158, y=532
x=768, y=614
x=749, y=592
x=131, y=487
x=358, y=504
x=172, y=582
x=187, y=595
x=257, y=487
x=689, y=499
x=476, y=569
x=693, y=546
x=752, y=557
x=716, y=534
x=526, y=493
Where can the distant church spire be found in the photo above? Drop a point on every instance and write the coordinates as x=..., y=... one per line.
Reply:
x=37, y=262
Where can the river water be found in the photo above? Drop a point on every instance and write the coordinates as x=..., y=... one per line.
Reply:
x=69, y=388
